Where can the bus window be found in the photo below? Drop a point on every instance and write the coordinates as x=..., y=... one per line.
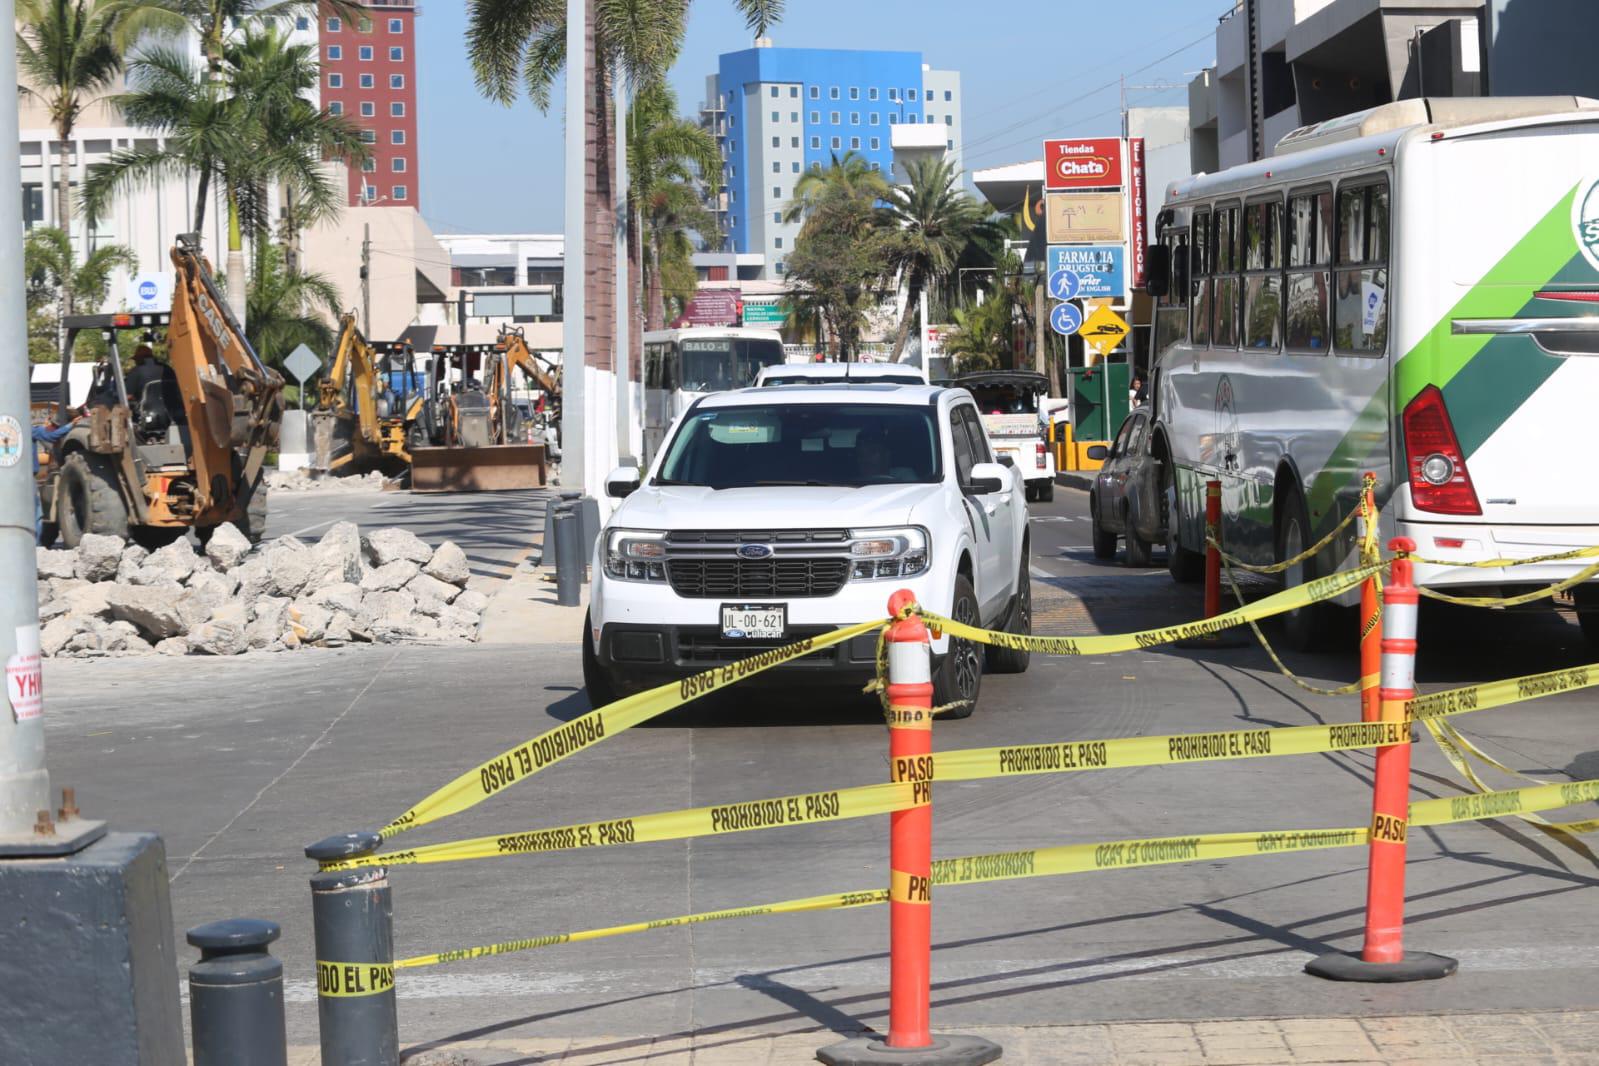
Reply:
x=1171, y=311
x=1224, y=329
x=1360, y=308
x=1308, y=281
x=1263, y=260
x=1202, y=264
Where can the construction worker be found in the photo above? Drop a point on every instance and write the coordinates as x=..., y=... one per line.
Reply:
x=46, y=435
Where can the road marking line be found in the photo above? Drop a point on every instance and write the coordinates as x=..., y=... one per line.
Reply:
x=308, y=529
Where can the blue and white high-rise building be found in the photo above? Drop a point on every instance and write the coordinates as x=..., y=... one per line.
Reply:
x=777, y=111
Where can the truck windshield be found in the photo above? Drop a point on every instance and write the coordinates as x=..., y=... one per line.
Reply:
x=716, y=364
x=804, y=444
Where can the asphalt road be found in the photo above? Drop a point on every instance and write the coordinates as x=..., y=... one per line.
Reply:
x=239, y=763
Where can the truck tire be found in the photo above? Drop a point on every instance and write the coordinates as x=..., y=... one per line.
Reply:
x=1009, y=660
x=1030, y=491
x=596, y=679
x=958, y=680
x=1046, y=491
x=88, y=499
x=1104, y=541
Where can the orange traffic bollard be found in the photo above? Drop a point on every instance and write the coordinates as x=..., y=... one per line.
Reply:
x=1212, y=552
x=910, y=869
x=1383, y=957
x=1370, y=607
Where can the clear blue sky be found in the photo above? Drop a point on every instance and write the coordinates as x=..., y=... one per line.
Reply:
x=1027, y=72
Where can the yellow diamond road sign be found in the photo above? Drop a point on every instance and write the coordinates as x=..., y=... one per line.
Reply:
x=1104, y=330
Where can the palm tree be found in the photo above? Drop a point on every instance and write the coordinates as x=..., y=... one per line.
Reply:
x=287, y=308
x=848, y=178
x=212, y=21
x=51, y=268
x=930, y=222
x=519, y=46
x=67, y=55
x=982, y=337
x=667, y=159
x=247, y=131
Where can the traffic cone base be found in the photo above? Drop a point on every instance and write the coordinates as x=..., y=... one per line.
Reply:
x=950, y=1050
x=1349, y=966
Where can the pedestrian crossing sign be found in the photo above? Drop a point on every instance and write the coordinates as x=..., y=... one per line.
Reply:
x=1104, y=330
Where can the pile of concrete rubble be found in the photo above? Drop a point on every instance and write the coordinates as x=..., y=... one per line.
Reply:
x=109, y=598
x=304, y=480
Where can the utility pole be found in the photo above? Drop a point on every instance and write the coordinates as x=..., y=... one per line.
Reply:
x=366, y=281
x=624, y=298
x=573, y=412
x=24, y=781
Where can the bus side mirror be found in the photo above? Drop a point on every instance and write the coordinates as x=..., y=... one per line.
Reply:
x=1157, y=270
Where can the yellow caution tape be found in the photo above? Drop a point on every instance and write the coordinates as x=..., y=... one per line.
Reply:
x=1323, y=588
x=1279, y=567
x=1085, y=858
x=831, y=901
x=1499, y=564
x=531, y=756
x=777, y=813
x=1501, y=693
x=1515, y=601
x=340, y=979
x=909, y=888
x=1282, y=667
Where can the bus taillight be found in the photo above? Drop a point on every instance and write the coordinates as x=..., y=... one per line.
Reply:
x=1439, y=480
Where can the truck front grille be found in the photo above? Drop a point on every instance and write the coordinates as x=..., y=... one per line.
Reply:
x=754, y=578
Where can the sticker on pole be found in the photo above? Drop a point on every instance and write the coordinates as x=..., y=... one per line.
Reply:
x=24, y=678
x=1065, y=319
x=10, y=441
x=1063, y=284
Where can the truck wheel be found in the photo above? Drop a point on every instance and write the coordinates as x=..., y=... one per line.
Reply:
x=1309, y=628
x=596, y=679
x=1009, y=660
x=959, y=677
x=48, y=532
x=1046, y=491
x=1104, y=542
x=88, y=500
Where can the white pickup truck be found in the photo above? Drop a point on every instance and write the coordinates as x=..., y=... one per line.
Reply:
x=1014, y=412
x=776, y=514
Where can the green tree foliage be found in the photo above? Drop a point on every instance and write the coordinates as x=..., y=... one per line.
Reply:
x=287, y=308
x=67, y=56
x=668, y=158
x=58, y=283
x=836, y=269
x=929, y=222
x=983, y=335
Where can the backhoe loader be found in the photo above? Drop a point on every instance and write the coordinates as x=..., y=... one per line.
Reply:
x=186, y=453
x=468, y=413
x=368, y=408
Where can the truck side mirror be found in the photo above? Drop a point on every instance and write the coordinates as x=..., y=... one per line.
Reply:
x=1157, y=270
x=622, y=482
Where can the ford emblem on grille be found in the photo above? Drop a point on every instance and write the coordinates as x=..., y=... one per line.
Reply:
x=754, y=551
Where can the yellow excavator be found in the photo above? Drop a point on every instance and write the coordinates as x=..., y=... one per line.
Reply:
x=186, y=452
x=369, y=410
x=518, y=356
x=475, y=440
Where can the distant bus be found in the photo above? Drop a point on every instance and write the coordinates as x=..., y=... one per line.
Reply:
x=1411, y=290
x=681, y=365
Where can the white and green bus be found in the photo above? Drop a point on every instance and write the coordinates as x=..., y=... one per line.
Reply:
x=1411, y=290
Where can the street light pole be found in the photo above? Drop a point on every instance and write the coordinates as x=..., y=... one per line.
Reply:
x=24, y=781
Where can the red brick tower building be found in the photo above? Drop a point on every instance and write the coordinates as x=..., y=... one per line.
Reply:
x=369, y=75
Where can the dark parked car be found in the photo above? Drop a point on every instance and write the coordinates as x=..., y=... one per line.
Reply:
x=1125, y=498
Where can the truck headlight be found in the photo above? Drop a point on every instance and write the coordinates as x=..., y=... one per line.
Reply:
x=884, y=553
x=635, y=555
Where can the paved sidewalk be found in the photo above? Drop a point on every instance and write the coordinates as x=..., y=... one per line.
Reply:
x=1529, y=1039
x=523, y=611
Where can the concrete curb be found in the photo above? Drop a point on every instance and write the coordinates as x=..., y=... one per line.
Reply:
x=1075, y=480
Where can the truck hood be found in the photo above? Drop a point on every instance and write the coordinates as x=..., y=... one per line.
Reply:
x=786, y=507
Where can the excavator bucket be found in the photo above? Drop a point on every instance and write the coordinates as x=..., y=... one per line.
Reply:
x=495, y=468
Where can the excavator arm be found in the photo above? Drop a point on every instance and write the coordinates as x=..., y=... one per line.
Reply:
x=350, y=388
x=233, y=400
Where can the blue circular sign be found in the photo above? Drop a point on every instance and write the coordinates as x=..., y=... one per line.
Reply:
x=1065, y=319
x=1064, y=284
x=147, y=290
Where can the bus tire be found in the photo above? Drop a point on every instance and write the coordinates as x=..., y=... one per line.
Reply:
x=1309, y=628
x=1185, y=565
x=1587, y=597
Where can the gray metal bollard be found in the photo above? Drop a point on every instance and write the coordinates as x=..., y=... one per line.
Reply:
x=588, y=510
x=547, y=547
x=236, y=995
x=568, y=557
x=352, y=917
